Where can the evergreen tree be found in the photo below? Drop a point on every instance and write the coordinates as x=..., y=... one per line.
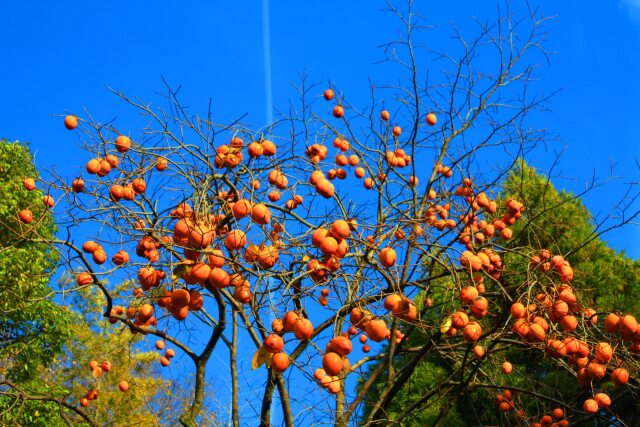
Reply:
x=607, y=280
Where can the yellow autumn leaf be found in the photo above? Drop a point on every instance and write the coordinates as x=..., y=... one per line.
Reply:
x=179, y=271
x=306, y=258
x=445, y=325
x=260, y=357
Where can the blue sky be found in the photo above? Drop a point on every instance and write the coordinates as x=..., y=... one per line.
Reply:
x=58, y=58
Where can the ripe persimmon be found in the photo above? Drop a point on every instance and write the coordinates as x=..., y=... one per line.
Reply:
x=216, y=258
x=603, y=399
x=218, y=278
x=268, y=147
x=590, y=406
x=90, y=246
x=392, y=301
x=319, y=374
x=603, y=351
x=273, y=343
x=468, y=293
x=241, y=208
x=341, y=345
x=289, y=320
x=161, y=163
x=112, y=160
x=78, y=185
x=303, y=329
x=472, y=332
x=569, y=323
x=139, y=185
x=260, y=214
x=518, y=310
x=479, y=351
x=104, y=169
x=279, y=362
x=506, y=367
x=71, y=122
x=236, y=239
x=387, y=257
x=459, y=319
x=255, y=149
x=29, y=184
x=123, y=143
x=328, y=94
x=180, y=298
x=332, y=363
x=121, y=257
x=340, y=229
x=84, y=279
x=334, y=386
x=596, y=370
x=620, y=376
x=376, y=329
x=368, y=183
x=276, y=326
x=99, y=256
x=93, y=166
x=329, y=245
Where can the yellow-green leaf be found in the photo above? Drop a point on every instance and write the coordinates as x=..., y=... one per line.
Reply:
x=445, y=325
x=260, y=357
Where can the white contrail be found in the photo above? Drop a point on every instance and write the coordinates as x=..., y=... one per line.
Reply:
x=266, y=47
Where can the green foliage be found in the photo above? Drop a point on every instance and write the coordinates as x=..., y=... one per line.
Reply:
x=68, y=377
x=96, y=339
x=605, y=279
x=554, y=220
x=33, y=328
x=559, y=221
x=45, y=347
x=431, y=371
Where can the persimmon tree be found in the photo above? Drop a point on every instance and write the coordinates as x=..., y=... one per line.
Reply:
x=340, y=238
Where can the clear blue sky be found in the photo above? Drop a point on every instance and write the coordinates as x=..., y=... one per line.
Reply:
x=58, y=57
